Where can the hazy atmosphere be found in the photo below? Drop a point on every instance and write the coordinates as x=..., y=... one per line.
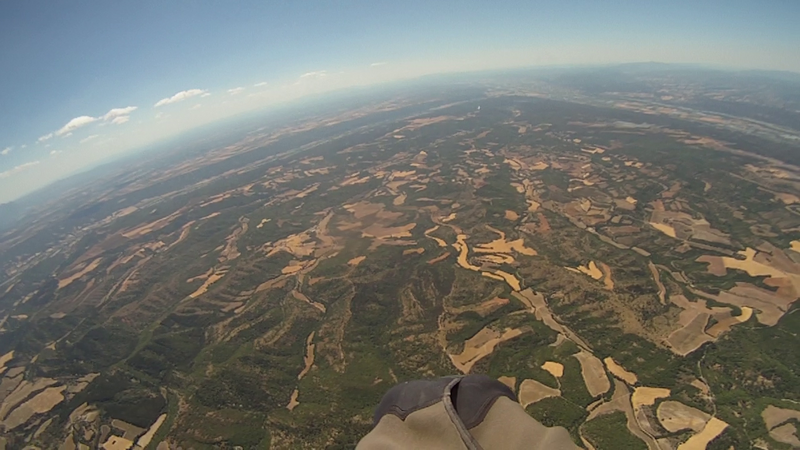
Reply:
x=235, y=225
x=82, y=82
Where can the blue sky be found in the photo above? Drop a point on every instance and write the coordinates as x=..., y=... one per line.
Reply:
x=80, y=81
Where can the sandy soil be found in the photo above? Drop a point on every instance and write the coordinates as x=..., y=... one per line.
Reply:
x=354, y=180
x=689, y=338
x=481, y=345
x=700, y=440
x=770, y=306
x=23, y=391
x=543, y=313
x=675, y=416
x=293, y=402
x=40, y=404
x=357, y=260
x=555, y=369
x=400, y=199
x=207, y=283
x=130, y=431
x=231, y=250
x=594, y=375
x=308, y=359
x=5, y=359
x=117, y=443
x=64, y=282
x=647, y=396
x=531, y=391
x=591, y=269
x=379, y=231
x=503, y=246
x=303, y=298
x=620, y=400
x=511, y=215
x=300, y=245
x=664, y=228
x=723, y=325
x=608, y=281
x=449, y=218
x=507, y=277
x=439, y=242
x=528, y=298
x=787, y=434
x=291, y=269
x=620, y=372
x=153, y=226
x=144, y=441
x=463, y=253
x=511, y=382
x=693, y=320
x=410, y=251
x=439, y=258
x=774, y=416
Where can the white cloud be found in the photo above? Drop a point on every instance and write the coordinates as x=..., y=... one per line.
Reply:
x=197, y=106
x=74, y=124
x=313, y=75
x=376, y=64
x=120, y=120
x=263, y=83
x=236, y=90
x=119, y=112
x=89, y=138
x=23, y=146
x=6, y=151
x=180, y=96
x=205, y=95
x=46, y=137
x=54, y=152
x=20, y=168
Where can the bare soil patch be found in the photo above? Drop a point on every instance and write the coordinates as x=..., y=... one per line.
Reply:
x=308, y=359
x=293, y=400
x=304, y=298
x=594, y=375
x=620, y=372
x=511, y=382
x=689, y=338
x=531, y=391
x=774, y=416
x=555, y=369
x=481, y=345
x=647, y=396
x=675, y=416
x=144, y=441
x=357, y=260
x=64, y=282
x=787, y=434
x=439, y=258
x=43, y=402
x=700, y=441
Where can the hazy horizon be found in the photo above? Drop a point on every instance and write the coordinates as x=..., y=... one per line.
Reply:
x=87, y=82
